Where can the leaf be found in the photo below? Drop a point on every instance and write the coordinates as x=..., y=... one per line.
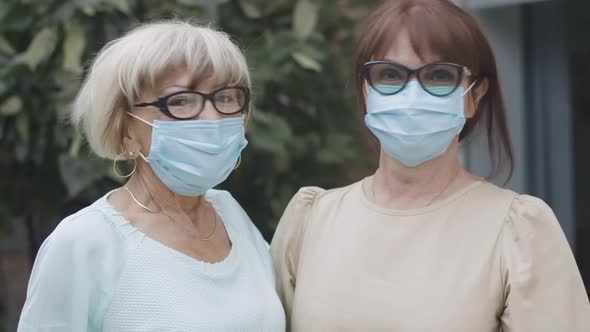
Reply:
x=201, y=3
x=65, y=11
x=270, y=132
x=21, y=151
x=73, y=47
x=88, y=9
x=314, y=52
x=122, y=5
x=41, y=47
x=13, y=66
x=22, y=127
x=306, y=61
x=249, y=9
x=258, y=8
x=337, y=148
x=5, y=47
x=11, y=106
x=15, y=17
x=274, y=6
x=79, y=173
x=75, y=146
x=305, y=18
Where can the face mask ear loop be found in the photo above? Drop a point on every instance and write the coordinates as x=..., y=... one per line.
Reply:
x=147, y=123
x=143, y=157
x=469, y=88
x=142, y=120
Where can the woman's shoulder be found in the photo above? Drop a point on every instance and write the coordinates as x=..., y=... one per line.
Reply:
x=532, y=212
x=517, y=208
x=234, y=217
x=232, y=214
x=299, y=209
x=92, y=225
x=538, y=266
x=306, y=197
x=228, y=208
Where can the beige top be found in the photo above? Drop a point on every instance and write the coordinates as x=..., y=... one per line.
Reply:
x=483, y=260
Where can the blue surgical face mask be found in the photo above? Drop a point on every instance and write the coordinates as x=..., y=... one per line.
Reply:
x=191, y=157
x=414, y=126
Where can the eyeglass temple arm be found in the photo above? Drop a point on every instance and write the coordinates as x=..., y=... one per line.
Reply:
x=156, y=103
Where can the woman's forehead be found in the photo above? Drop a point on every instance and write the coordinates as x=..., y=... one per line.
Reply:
x=402, y=50
x=181, y=78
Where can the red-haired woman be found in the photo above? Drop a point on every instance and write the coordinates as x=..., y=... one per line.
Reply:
x=422, y=244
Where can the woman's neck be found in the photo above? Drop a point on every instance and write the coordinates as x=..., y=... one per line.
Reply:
x=148, y=188
x=395, y=185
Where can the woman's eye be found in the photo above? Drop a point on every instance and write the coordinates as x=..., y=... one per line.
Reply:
x=224, y=98
x=389, y=75
x=179, y=102
x=441, y=75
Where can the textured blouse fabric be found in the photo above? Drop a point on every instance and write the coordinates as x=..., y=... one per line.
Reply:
x=485, y=259
x=97, y=272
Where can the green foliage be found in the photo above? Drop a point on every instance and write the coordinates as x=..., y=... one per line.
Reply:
x=303, y=131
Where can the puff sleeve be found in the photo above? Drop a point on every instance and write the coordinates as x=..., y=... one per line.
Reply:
x=286, y=244
x=543, y=287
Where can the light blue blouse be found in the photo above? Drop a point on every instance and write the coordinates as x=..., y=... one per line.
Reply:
x=97, y=272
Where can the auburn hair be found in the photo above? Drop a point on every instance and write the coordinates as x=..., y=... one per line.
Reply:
x=442, y=29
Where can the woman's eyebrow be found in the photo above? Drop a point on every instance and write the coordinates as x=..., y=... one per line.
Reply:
x=175, y=85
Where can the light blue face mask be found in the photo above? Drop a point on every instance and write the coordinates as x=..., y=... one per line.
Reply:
x=414, y=126
x=191, y=157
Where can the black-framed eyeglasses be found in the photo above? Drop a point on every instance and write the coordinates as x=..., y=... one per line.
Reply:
x=438, y=79
x=184, y=105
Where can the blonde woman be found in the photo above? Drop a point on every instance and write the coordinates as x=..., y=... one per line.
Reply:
x=165, y=252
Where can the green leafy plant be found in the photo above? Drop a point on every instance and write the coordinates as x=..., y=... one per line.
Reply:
x=303, y=130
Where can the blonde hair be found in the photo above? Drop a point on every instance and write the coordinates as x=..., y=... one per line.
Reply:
x=127, y=66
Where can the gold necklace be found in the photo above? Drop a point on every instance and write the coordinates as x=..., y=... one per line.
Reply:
x=434, y=198
x=191, y=233
x=445, y=188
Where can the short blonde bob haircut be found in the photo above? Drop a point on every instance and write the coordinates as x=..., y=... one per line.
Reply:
x=134, y=63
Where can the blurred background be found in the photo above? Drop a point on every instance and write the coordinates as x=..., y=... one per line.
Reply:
x=305, y=130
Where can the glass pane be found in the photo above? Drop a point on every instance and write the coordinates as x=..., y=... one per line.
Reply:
x=387, y=78
x=440, y=79
x=384, y=73
x=440, y=90
x=230, y=100
x=185, y=105
x=387, y=89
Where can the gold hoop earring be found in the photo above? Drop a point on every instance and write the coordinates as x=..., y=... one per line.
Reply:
x=238, y=163
x=115, y=165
